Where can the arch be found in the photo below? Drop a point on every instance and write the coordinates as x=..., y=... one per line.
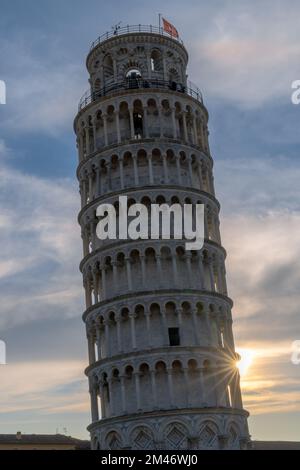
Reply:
x=142, y=438
x=97, y=84
x=160, y=367
x=108, y=68
x=192, y=365
x=208, y=435
x=176, y=436
x=128, y=371
x=144, y=368
x=177, y=365
x=233, y=435
x=113, y=440
x=156, y=61
x=133, y=73
x=95, y=443
x=173, y=75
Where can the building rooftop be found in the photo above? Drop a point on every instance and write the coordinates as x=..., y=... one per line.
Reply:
x=46, y=439
x=275, y=445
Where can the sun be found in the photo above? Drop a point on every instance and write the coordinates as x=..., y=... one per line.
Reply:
x=247, y=357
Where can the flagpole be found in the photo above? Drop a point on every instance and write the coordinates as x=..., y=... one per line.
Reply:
x=159, y=22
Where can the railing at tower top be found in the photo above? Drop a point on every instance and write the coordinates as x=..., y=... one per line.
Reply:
x=139, y=83
x=138, y=28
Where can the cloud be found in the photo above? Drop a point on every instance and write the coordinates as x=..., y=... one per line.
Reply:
x=260, y=231
x=39, y=267
x=45, y=386
x=43, y=89
x=249, y=53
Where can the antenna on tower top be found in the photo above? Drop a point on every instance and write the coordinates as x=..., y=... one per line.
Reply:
x=116, y=27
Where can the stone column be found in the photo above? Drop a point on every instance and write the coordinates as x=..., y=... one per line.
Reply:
x=91, y=347
x=149, y=158
x=199, y=171
x=115, y=70
x=148, y=327
x=94, y=401
x=207, y=324
x=190, y=171
x=121, y=172
x=80, y=146
x=90, y=184
x=88, y=297
x=220, y=284
x=123, y=394
x=143, y=269
x=104, y=117
x=177, y=157
x=132, y=317
x=153, y=387
x=101, y=390
x=236, y=396
x=186, y=386
x=95, y=284
x=115, y=275
x=135, y=169
x=188, y=257
x=103, y=281
x=128, y=271
x=85, y=243
x=107, y=338
x=206, y=231
x=137, y=390
x=145, y=116
x=202, y=136
x=98, y=337
x=158, y=261
x=132, y=133
x=94, y=133
x=98, y=181
x=117, y=117
x=170, y=387
x=93, y=223
x=211, y=274
x=160, y=120
x=108, y=166
x=111, y=397
x=87, y=140
x=164, y=327
x=223, y=271
x=201, y=387
x=166, y=176
x=201, y=271
x=185, y=133
x=179, y=317
x=174, y=266
x=174, y=123
x=195, y=130
x=195, y=326
x=119, y=336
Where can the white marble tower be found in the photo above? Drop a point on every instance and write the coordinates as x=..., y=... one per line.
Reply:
x=162, y=364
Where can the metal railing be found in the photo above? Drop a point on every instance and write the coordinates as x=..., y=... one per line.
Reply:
x=138, y=28
x=139, y=83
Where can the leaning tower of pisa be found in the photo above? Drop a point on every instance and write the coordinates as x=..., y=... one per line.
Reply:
x=162, y=364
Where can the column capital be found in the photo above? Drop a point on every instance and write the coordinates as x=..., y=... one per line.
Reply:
x=132, y=315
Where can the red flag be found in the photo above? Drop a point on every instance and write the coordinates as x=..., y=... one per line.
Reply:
x=169, y=28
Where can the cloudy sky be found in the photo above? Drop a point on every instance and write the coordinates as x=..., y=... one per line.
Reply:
x=244, y=56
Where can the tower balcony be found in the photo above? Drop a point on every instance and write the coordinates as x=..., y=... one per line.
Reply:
x=131, y=29
x=139, y=83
